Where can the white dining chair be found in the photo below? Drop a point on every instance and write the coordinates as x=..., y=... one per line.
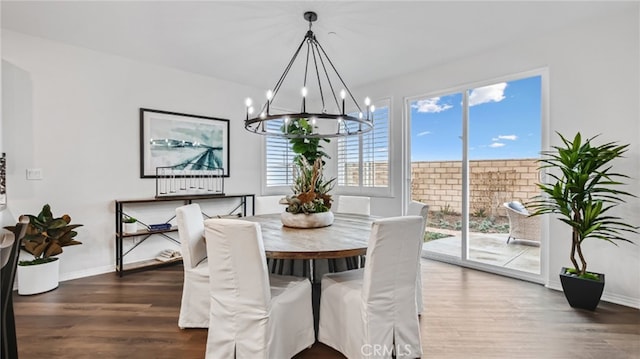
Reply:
x=350, y=205
x=371, y=312
x=194, y=308
x=253, y=314
x=354, y=204
x=416, y=208
x=268, y=205
x=271, y=205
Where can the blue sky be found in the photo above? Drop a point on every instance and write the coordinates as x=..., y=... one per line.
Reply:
x=504, y=123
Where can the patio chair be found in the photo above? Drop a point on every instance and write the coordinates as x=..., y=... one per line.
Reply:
x=521, y=226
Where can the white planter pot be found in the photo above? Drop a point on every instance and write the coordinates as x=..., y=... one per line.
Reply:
x=312, y=220
x=130, y=227
x=38, y=278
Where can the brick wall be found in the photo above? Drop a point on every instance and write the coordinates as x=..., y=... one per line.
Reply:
x=493, y=182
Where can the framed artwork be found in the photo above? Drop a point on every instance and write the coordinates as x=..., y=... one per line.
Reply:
x=185, y=143
x=3, y=181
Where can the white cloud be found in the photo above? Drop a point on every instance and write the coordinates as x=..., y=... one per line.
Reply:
x=431, y=105
x=496, y=145
x=492, y=93
x=423, y=133
x=505, y=137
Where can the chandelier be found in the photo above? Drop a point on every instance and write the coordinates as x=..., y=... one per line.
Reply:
x=333, y=119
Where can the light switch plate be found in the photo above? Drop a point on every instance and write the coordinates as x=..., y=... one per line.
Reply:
x=34, y=173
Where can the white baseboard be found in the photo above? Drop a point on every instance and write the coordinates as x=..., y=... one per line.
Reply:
x=77, y=274
x=607, y=297
x=87, y=273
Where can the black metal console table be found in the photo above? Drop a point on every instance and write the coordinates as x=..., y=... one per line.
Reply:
x=246, y=201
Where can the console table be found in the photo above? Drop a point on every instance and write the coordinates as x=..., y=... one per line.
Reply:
x=245, y=202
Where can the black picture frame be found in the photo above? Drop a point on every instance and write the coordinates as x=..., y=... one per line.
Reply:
x=171, y=139
x=3, y=181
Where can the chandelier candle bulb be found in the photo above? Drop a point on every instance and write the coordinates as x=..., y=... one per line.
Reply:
x=269, y=97
x=304, y=99
x=247, y=103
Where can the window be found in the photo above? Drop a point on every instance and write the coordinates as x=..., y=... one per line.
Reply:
x=363, y=161
x=278, y=161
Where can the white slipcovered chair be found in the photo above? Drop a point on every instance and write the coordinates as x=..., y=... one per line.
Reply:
x=521, y=226
x=416, y=208
x=271, y=205
x=268, y=205
x=253, y=314
x=354, y=204
x=371, y=312
x=194, y=309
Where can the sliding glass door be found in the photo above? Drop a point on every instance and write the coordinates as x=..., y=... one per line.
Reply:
x=436, y=169
x=473, y=153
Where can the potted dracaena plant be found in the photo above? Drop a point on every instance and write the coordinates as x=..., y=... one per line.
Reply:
x=583, y=191
x=44, y=239
x=309, y=205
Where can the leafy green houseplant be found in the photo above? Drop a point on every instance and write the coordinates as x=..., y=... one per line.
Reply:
x=130, y=224
x=310, y=188
x=309, y=148
x=582, y=192
x=129, y=219
x=46, y=235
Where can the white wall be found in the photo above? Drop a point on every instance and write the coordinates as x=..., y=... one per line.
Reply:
x=74, y=113
x=594, y=69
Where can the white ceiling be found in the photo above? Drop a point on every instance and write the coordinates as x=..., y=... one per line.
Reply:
x=250, y=42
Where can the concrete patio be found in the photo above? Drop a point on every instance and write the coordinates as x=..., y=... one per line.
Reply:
x=490, y=248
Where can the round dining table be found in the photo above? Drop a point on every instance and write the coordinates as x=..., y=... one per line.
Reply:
x=346, y=237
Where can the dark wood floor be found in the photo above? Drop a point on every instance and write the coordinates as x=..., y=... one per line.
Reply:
x=468, y=314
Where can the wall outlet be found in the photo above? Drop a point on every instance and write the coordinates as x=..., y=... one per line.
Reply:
x=34, y=173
